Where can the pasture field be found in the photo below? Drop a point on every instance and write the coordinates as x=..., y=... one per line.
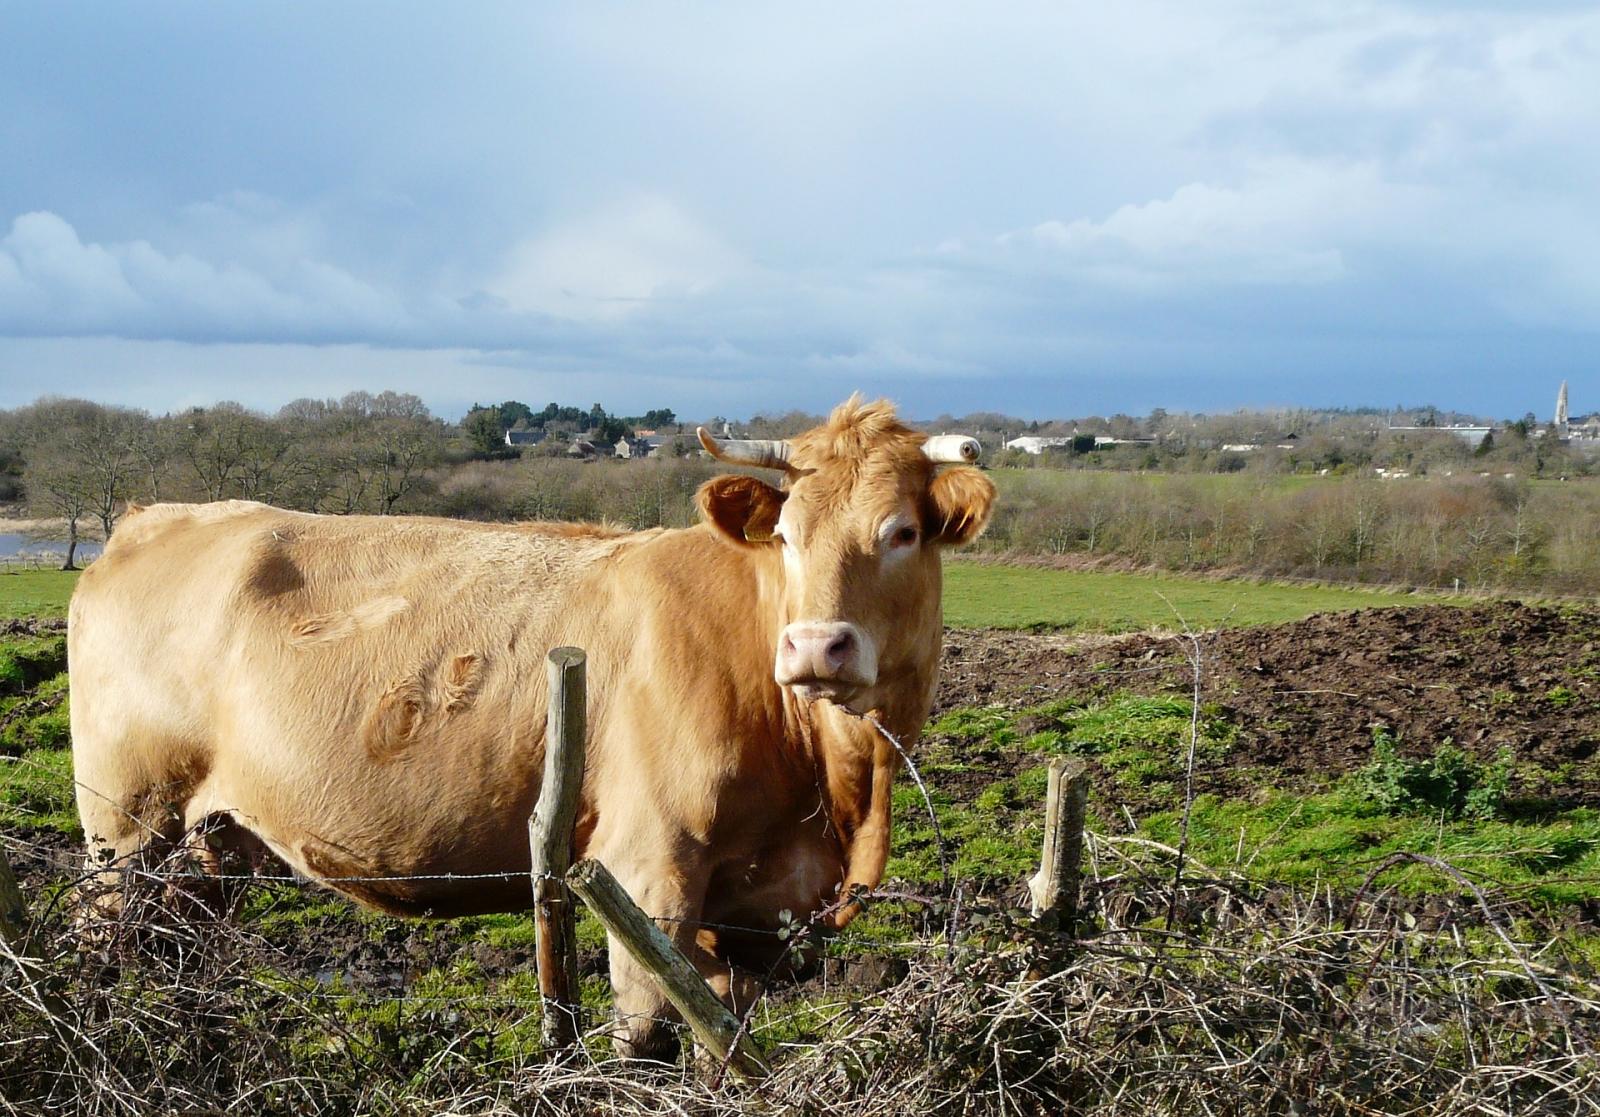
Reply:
x=1394, y=822
x=984, y=595
x=35, y=593
x=1025, y=483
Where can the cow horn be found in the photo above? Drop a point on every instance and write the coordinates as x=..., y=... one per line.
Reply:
x=768, y=453
x=952, y=448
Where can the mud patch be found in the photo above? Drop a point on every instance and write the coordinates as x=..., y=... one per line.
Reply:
x=1305, y=696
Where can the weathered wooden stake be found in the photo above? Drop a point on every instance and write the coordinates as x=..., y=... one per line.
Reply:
x=13, y=910
x=550, y=846
x=713, y=1025
x=1054, y=887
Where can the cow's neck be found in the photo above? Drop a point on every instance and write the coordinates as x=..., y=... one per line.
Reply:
x=854, y=758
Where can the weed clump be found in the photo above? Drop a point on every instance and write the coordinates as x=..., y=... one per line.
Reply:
x=1449, y=783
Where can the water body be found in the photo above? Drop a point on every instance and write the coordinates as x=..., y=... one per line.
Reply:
x=14, y=546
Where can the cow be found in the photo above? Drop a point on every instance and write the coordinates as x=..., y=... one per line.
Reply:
x=366, y=696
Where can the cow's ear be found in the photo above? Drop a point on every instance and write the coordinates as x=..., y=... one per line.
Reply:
x=961, y=501
x=743, y=508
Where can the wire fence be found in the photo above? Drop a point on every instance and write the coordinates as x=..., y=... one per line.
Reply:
x=1181, y=988
x=1175, y=993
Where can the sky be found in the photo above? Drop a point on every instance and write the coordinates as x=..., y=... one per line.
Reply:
x=1042, y=209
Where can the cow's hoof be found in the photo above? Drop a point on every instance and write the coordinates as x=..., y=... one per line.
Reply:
x=656, y=1042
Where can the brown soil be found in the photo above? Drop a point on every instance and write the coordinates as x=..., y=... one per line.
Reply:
x=31, y=626
x=1306, y=695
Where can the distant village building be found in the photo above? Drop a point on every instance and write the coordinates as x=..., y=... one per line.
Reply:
x=636, y=448
x=584, y=448
x=1035, y=444
x=1586, y=429
x=1581, y=433
x=1101, y=441
x=1288, y=441
x=520, y=440
x=1469, y=434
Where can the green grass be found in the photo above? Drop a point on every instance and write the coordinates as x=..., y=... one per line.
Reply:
x=991, y=839
x=1337, y=837
x=1139, y=741
x=36, y=791
x=25, y=661
x=1332, y=833
x=979, y=595
x=36, y=593
x=37, y=720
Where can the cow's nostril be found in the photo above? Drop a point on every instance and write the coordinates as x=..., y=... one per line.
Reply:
x=839, y=649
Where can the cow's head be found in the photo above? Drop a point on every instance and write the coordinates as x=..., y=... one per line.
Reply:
x=865, y=508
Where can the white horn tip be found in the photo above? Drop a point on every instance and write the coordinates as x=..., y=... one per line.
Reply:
x=952, y=448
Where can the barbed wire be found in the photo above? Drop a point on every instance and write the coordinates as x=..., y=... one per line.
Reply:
x=1224, y=983
x=1279, y=960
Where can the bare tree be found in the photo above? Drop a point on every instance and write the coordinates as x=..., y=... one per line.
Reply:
x=266, y=458
x=58, y=487
x=81, y=461
x=213, y=441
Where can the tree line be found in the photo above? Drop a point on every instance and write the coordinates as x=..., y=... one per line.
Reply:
x=1459, y=532
x=1458, y=519
x=81, y=463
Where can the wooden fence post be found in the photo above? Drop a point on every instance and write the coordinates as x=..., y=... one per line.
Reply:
x=1054, y=888
x=713, y=1025
x=13, y=909
x=550, y=848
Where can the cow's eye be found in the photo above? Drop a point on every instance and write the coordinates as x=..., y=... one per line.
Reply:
x=905, y=536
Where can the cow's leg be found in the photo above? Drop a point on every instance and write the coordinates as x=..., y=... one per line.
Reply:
x=132, y=794
x=645, y=1016
x=225, y=854
x=124, y=832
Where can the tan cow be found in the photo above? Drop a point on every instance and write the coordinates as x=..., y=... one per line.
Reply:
x=367, y=695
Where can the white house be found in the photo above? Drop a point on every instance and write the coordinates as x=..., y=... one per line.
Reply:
x=1034, y=444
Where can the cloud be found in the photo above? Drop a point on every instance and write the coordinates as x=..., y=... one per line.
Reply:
x=1052, y=193
x=52, y=283
x=611, y=263
x=1285, y=223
